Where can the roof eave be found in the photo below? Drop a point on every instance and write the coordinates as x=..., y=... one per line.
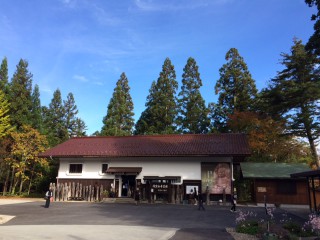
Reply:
x=156, y=155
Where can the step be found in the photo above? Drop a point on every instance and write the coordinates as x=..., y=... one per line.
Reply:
x=124, y=200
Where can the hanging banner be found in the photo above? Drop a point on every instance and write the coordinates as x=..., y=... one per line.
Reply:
x=216, y=178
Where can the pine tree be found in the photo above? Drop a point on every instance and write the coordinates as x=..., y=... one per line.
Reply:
x=119, y=119
x=161, y=107
x=80, y=128
x=54, y=120
x=236, y=88
x=71, y=111
x=295, y=92
x=193, y=112
x=36, y=111
x=4, y=79
x=20, y=96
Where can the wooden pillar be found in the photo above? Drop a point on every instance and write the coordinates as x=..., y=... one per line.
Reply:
x=73, y=189
x=65, y=194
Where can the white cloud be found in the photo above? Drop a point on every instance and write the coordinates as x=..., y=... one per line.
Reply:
x=159, y=5
x=46, y=90
x=103, y=17
x=80, y=78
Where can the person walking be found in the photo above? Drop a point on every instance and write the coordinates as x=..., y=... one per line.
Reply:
x=200, y=202
x=137, y=196
x=48, y=197
x=233, y=201
x=195, y=196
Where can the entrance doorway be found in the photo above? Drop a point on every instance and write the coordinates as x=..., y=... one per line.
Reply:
x=128, y=185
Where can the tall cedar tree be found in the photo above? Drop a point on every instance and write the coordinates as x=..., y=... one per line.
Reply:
x=4, y=79
x=20, y=96
x=295, y=93
x=54, y=120
x=80, y=128
x=37, y=122
x=74, y=125
x=119, y=119
x=193, y=113
x=313, y=44
x=236, y=89
x=161, y=106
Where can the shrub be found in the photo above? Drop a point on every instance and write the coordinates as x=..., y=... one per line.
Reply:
x=312, y=227
x=248, y=227
x=246, y=223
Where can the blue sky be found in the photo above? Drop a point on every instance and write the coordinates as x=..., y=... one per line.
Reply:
x=82, y=46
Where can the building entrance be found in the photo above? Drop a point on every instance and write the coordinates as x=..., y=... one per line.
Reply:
x=128, y=185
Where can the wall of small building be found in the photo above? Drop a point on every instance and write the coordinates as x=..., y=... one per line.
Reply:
x=266, y=189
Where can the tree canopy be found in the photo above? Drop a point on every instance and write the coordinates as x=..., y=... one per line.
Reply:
x=235, y=87
x=294, y=94
x=193, y=113
x=119, y=119
x=161, y=106
x=20, y=96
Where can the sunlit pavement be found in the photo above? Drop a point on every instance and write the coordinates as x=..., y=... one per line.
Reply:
x=82, y=220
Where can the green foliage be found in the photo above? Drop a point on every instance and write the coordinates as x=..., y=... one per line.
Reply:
x=294, y=93
x=236, y=88
x=36, y=111
x=313, y=44
x=297, y=230
x=5, y=126
x=248, y=227
x=20, y=96
x=74, y=125
x=60, y=119
x=4, y=84
x=24, y=161
x=119, y=119
x=193, y=114
x=54, y=120
x=161, y=107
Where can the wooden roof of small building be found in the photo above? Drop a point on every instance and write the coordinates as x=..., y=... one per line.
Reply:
x=271, y=170
x=153, y=145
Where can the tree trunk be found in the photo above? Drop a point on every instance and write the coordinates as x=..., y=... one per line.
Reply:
x=5, y=186
x=313, y=148
x=21, y=184
x=12, y=180
x=16, y=180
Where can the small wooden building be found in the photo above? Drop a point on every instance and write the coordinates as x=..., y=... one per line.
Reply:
x=273, y=184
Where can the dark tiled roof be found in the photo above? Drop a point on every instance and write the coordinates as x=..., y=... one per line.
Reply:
x=155, y=145
x=271, y=170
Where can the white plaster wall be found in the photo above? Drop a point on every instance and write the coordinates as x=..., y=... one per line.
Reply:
x=188, y=168
x=91, y=168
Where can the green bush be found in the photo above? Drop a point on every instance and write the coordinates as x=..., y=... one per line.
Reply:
x=297, y=230
x=248, y=227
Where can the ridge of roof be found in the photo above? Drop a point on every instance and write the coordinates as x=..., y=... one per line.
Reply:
x=160, y=135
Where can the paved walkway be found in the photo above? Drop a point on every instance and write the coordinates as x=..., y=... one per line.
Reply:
x=82, y=220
